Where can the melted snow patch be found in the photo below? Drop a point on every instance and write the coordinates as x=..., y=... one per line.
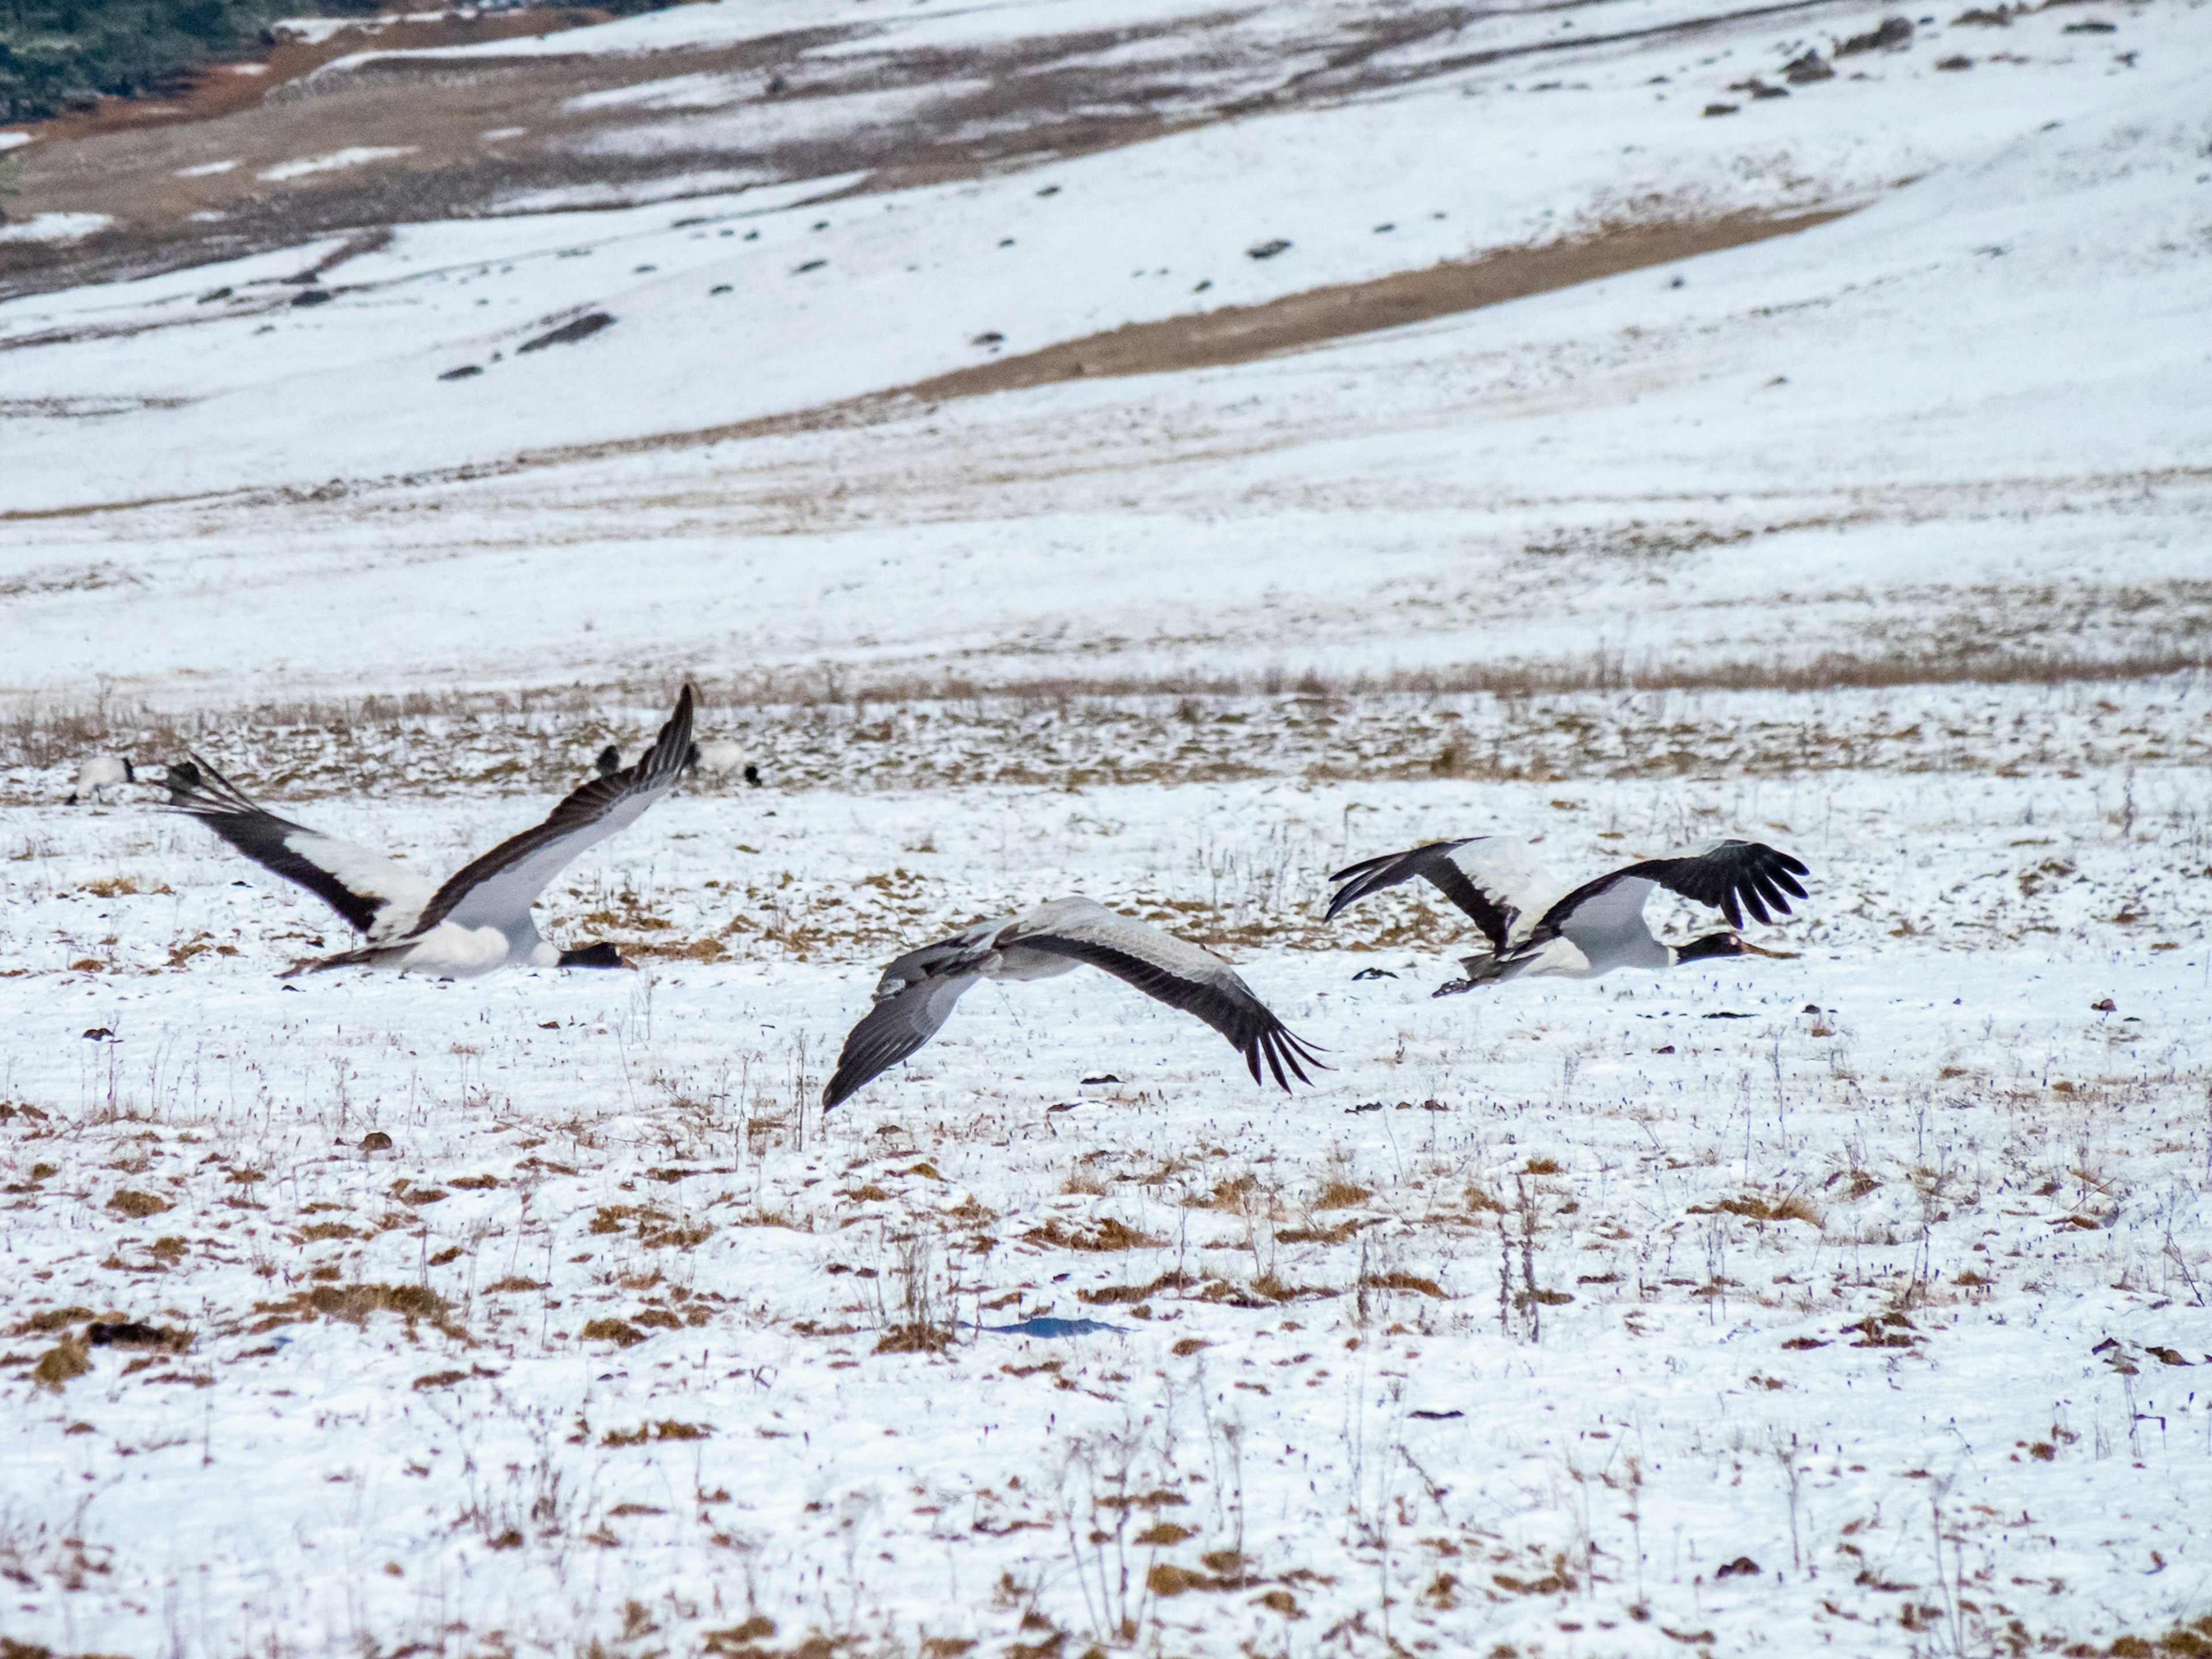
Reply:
x=55, y=227
x=11, y=140
x=353, y=157
x=206, y=169
x=677, y=92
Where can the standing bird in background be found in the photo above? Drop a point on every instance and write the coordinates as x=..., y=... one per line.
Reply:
x=97, y=775
x=1534, y=925
x=609, y=761
x=479, y=919
x=917, y=994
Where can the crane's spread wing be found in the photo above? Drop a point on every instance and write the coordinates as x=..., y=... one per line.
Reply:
x=493, y=890
x=375, y=896
x=1170, y=970
x=903, y=1020
x=1490, y=877
x=1733, y=877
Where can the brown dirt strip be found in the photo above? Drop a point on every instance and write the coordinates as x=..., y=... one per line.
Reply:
x=217, y=89
x=1243, y=334
x=1206, y=339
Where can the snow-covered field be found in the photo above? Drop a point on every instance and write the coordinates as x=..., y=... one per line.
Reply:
x=1850, y=1300
x=1880, y=1267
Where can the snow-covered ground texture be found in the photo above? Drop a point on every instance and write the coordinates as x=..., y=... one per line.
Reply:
x=1962, y=420
x=1852, y=1300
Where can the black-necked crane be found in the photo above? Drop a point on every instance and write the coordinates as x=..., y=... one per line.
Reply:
x=917, y=994
x=479, y=919
x=1536, y=925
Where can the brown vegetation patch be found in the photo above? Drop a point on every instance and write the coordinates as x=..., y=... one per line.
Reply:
x=59, y=1363
x=917, y=1338
x=1110, y=1235
x=1791, y=1208
x=355, y=1302
x=1399, y=1281
x=137, y=1205
x=1111, y=1295
x=667, y=1428
x=51, y=1319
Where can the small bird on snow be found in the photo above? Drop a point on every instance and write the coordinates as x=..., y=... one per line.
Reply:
x=479, y=919
x=720, y=758
x=1535, y=925
x=609, y=761
x=98, y=774
x=916, y=996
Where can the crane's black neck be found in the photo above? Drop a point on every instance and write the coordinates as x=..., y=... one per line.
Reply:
x=602, y=955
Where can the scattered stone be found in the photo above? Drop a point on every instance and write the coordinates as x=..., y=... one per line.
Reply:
x=1720, y=109
x=133, y=1334
x=1892, y=33
x=313, y=296
x=1268, y=250
x=463, y=373
x=568, y=333
x=1804, y=70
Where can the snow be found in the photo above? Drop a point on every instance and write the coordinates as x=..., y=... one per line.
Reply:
x=15, y=140
x=2015, y=1175
x=353, y=156
x=1879, y=1265
x=55, y=227
x=1853, y=396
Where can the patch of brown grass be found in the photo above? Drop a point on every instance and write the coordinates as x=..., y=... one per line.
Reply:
x=667, y=1429
x=1110, y=1235
x=1403, y=1281
x=1111, y=1295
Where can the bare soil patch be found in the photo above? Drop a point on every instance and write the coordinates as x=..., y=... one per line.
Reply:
x=1239, y=334
x=186, y=180
x=1242, y=334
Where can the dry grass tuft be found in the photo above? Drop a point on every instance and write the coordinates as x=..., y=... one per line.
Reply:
x=1342, y=1195
x=1113, y=1294
x=620, y=1331
x=667, y=1428
x=914, y=1339
x=1790, y=1208
x=59, y=1363
x=1111, y=1234
x=137, y=1205
x=1402, y=1281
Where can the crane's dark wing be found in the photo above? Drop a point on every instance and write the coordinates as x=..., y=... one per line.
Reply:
x=1181, y=974
x=1491, y=912
x=362, y=887
x=896, y=1027
x=1733, y=877
x=490, y=891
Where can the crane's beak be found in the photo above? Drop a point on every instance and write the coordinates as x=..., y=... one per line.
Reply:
x=1756, y=951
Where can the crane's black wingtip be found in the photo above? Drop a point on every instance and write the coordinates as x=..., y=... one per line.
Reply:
x=1283, y=1052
